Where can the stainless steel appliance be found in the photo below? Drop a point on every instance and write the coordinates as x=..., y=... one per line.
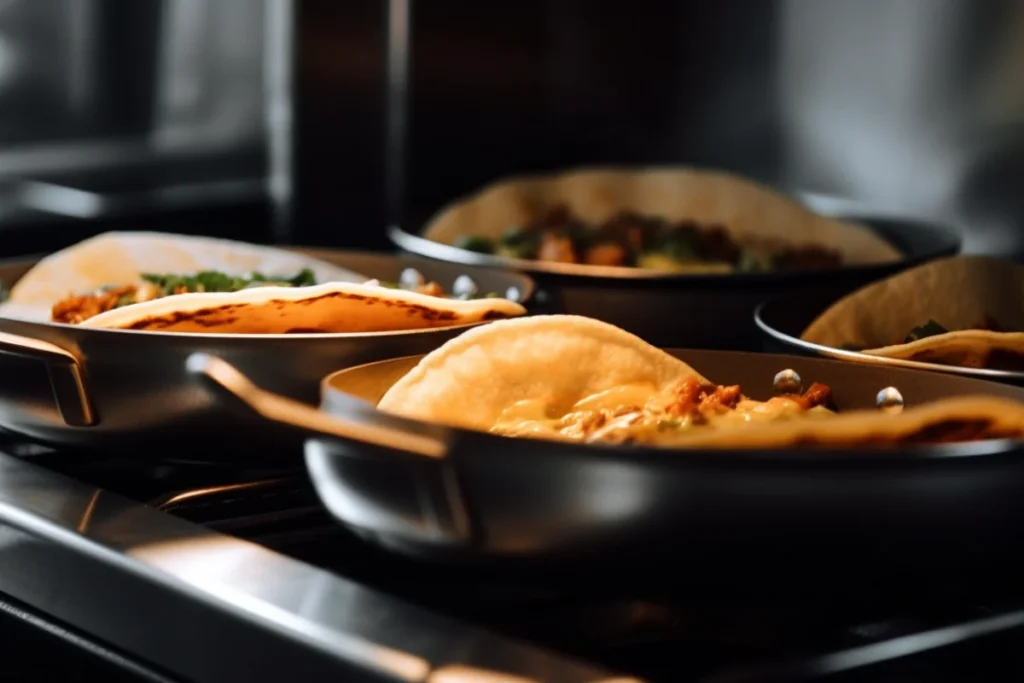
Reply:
x=322, y=122
x=121, y=110
x=910, y=107
x=225, y=574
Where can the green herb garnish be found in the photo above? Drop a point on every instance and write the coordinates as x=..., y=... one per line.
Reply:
x=929, y=329
x=216, y=281
x=480, y=245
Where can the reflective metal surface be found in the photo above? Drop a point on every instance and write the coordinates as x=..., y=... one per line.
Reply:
x=208, y=607
x=92, y=84
x=71, y=385
x=913, y=106
x=782, y=321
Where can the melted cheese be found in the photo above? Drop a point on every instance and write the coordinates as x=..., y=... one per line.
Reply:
x=637, y=411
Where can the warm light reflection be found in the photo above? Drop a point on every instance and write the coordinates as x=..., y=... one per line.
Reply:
x=255, y=580
x=199, y=493
x=206, y=558
x=90, y=510
x=470, y=674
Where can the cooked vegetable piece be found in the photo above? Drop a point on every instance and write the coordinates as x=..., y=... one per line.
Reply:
x=481, y=245
x=929, y=329
x=216, y=281
x=630, y=240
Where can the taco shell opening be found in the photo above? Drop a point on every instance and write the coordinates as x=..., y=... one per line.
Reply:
x=753, y=214
x=961, y=294
x=120, y=258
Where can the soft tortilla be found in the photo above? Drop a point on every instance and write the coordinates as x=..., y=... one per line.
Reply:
x=955, y=292
x=118, y=258
x=753, y=214
x=469, y=381
x=332, y=307
x=966, y=418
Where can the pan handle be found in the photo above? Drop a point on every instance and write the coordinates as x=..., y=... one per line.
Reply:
x=420, y=502
x=232, y=384
x=66, y=377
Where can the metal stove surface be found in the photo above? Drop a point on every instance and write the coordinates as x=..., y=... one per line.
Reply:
x=494, y=626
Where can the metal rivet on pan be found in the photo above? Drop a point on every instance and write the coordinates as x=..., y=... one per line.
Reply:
x=787, y=382
x=889, y=400
x=410, y=278
x=464, y=287
x=512, y=294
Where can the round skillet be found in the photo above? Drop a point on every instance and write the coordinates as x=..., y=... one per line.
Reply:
x=782, y=321
x=87, y=387
x=436, y=492
x=696, y=311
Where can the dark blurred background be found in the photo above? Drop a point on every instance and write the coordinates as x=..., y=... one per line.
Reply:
x=321, y=121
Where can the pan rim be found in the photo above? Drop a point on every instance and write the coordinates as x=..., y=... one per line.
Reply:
x=917, y=454
x=830, y=353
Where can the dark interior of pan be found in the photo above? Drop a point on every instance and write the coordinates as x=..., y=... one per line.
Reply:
x=700, y=311
x=782, y=322
x=501, y=500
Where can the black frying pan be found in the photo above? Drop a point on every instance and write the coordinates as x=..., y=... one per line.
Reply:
x=437, y=492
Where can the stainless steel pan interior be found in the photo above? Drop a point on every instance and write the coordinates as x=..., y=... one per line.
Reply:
x=70, y=385
x=661, y=308
x=432, y=491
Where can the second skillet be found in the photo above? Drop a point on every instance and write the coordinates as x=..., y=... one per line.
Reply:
x=437, y=492
x=782, y=321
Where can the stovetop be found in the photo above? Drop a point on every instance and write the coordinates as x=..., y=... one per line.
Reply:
x=931, y=628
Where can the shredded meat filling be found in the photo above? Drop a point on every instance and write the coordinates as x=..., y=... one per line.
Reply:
x=627, y=239
x=690, y=403
x=80, y=307
x=77, y=308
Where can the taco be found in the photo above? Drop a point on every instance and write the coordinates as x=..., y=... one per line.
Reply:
x=675, y=220
x=577, y=379
x=964, y=311
x=140, y=280
x=330, y=307
x=117, y=269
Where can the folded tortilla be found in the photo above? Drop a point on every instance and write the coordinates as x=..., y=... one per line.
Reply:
x=560, y=360
x=754, y=215
x=120, y=258
x=471, y=379
x=958, y=293
x=331, y=307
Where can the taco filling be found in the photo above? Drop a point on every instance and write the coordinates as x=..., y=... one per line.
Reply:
x=640, y=412
x=77, y=308
x=962, y=311
x=568, y=378
x=632, y=240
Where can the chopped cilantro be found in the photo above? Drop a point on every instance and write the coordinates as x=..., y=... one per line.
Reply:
x=929, y=329
x=216, y=281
